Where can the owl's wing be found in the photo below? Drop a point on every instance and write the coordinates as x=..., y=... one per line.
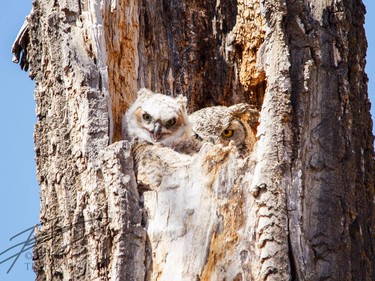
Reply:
x=162, y=168
x=153, y=163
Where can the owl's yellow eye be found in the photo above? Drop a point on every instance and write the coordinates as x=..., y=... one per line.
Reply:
x=146, y=117
x=170, y=122
x=227, y=133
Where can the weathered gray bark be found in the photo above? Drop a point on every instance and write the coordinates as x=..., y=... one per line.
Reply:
x=300, y=207
x=331, y=199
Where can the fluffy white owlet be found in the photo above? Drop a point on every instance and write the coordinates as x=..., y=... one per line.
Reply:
x=158, y=119
x=222, y=124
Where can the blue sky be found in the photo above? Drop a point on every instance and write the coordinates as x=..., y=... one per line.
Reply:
x=370, y=67
x=19, y=203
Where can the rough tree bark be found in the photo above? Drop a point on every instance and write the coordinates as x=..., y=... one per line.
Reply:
x=300, y=207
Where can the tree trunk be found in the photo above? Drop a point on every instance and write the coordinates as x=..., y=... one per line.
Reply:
x=299, y=207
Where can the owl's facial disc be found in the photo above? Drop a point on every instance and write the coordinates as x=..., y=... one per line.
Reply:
x=159, y=126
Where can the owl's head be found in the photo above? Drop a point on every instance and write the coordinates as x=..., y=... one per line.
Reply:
x=222, y=124
x=157, y=118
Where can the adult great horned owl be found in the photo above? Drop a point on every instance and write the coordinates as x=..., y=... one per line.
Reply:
x=222, y=124
x=158, y=119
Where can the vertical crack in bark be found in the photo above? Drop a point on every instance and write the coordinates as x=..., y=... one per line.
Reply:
x=121, y=31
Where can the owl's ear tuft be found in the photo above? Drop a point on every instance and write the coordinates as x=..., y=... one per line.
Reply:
x=243, y=108
x=246, y=112
x=239, y=109
x=182, y=100
x=144, y=93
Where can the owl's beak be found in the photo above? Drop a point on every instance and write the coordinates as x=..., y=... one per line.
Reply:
x=156, y=132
